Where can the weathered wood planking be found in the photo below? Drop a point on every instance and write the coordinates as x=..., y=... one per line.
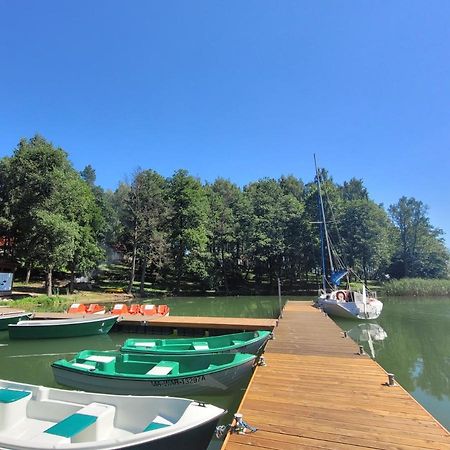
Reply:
x=224, y=323
x=316, y=392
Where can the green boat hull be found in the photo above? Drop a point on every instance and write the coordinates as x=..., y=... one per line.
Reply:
x=7, y=319
x=51, y=329
x=136, y=374
x=245, y=342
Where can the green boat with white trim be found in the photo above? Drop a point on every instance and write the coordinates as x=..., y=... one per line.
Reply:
x=9, y=318
x=245, y=342
x=61, y=328
x=140, y=374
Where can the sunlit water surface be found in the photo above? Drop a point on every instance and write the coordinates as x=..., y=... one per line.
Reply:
x=29, y=361
x=411, y=339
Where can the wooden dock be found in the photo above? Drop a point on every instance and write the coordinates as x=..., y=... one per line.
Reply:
x=316, y=392
x=222, y=323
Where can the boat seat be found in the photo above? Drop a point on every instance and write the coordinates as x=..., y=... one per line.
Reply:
x=101, y=358
x=157, y=423
x=236, y=342
x=84, y=366
x=13, y=406
x=163, y=368
x=12, y=395
x=72, y=425
x=90, y=423
x=200, y=346
x=145, y=344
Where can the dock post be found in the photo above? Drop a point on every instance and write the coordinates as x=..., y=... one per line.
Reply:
x=279, y=298
x=391, y=379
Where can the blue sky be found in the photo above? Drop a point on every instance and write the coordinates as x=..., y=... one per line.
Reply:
x=238, y=89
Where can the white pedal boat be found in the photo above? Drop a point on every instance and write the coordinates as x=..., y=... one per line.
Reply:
x=37, y=417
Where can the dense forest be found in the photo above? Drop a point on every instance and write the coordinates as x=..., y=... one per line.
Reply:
x=180, y=233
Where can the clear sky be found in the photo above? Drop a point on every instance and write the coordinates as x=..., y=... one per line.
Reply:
x=238, y=89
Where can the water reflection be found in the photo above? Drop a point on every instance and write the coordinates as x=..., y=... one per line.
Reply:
x=417, y=349
x=368, y=333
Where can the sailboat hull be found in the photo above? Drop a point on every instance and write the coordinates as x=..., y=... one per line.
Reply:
x=351, y=310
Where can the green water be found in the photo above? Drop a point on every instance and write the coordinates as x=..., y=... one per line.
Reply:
x=411, y=339
x=29, y=361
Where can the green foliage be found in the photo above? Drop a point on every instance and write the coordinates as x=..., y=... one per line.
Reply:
x=188, y=226
x=145, y=213
x=42, y=303
x=417, y=287
x=365, y=231
x=206, y=236
x=421, y=251
x=51, y=210
x=225, y=204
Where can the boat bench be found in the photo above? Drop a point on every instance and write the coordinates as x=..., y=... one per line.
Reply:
x=102, y=362
x=84, y=366
x=163, y=368
x=157, y=423
x=90, y=423
x=13, y=406
x=200, y=346
x=145, y=344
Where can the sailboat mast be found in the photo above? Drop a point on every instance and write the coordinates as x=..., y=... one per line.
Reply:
x=323, y=229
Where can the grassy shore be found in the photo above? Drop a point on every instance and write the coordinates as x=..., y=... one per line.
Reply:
x=417, y=287
x=39, y=302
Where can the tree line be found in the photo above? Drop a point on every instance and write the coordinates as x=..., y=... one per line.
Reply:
x=179, y=232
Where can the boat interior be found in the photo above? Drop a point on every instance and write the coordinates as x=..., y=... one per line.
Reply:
x=213, y=342
x=141, y=364
x=44, y=418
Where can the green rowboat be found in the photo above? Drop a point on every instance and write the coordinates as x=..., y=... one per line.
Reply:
x=6, y=319
x=245, y=342
x=61, y=328
x=139, y=374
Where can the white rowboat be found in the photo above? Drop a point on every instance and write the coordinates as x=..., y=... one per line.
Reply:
x=37, y=417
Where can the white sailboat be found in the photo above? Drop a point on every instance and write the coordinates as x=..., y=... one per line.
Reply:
x=336, y=301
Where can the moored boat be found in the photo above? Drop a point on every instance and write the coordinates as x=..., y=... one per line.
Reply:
x=149, y=309
x=119, y=309
x=93, y=308
x=245, y=342
x=336, y=301
x=77, y=308
x=61, y=328
x=36, y=417
x=140, y=374
x=146, y=309
x=349, y=304
x=14, y=317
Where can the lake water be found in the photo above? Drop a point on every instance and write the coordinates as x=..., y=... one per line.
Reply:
x=29, y=361
x=410, y=339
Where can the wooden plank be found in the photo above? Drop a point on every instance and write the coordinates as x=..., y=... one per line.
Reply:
x=317, y=392
x=223, y=323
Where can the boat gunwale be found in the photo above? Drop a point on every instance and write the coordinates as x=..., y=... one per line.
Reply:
x=167, y=351
x=66, y=365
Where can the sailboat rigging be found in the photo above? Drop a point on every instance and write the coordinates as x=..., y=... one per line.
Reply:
x=343, y=302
